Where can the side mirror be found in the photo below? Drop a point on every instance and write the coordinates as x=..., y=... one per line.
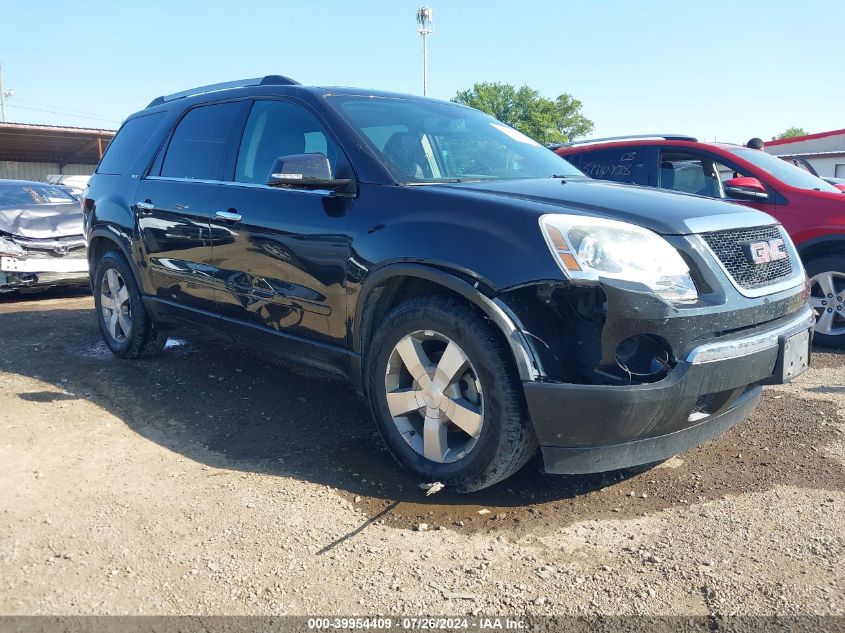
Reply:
x=746, y=188
x=304, y=171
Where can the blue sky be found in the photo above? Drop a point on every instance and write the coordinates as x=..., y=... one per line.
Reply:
x=725, y=70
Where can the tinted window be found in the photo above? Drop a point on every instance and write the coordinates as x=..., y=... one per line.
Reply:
x=275, y=129
x=197, y=147
x=621, y=165
x=427, y=141
x=130, y=138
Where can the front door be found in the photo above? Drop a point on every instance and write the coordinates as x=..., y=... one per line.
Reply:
x=284, y=270
x=174, y=205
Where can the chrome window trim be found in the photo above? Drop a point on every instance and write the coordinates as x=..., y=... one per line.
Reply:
x=747, y=345
x=235, y=183
x=196, y=180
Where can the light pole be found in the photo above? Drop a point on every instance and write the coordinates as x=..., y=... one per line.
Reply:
x=3, y=95
x=425, y=27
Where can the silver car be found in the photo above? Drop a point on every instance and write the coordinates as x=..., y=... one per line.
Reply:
x=41, y=241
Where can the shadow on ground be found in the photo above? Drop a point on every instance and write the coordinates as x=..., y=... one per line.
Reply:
x=230, y=407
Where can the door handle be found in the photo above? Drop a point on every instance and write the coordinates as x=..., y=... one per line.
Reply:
x=146, y=207
x=228, y=216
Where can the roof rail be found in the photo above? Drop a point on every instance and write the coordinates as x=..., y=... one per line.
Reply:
x=666, y=137
x=268, y=80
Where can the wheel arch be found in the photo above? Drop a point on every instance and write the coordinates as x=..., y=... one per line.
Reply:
x=104, y=239
x=823, y=246
x=394, y=283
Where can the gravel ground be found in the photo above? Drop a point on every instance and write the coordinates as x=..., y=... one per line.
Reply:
x=215, y=480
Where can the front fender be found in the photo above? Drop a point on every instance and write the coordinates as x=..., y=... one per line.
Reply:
x=526, y=357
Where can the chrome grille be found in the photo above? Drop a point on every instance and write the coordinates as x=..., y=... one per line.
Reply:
x=727, y=246
x=72, y=246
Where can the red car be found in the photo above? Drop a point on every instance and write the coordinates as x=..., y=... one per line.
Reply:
x=811, y=210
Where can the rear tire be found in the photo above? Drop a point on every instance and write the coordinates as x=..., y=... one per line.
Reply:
x=126, y=326
x=463, y=422
x=827, y=296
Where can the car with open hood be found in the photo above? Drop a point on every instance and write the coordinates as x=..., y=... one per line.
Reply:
x=484, y=295
x=41, y=240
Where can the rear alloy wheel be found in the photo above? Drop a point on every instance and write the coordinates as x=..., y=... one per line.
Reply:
x=115, y=306
x=445, y=393
x=827, y=297
x=124, y=323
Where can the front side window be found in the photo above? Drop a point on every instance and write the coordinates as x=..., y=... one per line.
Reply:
x=690, y=173
x=276, y=129
x=624, y=164
x=426, y=141
x=197, y=148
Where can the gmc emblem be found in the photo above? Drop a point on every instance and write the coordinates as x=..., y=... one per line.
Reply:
x=764, y=252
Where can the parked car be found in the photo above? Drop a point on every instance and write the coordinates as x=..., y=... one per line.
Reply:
x=41, y=241
x=73, y=184
x=811, y=210
x=482, y=293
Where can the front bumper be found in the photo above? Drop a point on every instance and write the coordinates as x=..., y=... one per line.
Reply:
x=26, y=272
x=595, y=428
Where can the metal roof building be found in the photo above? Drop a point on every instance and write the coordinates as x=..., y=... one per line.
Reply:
x=30, y=152
x=825, y=151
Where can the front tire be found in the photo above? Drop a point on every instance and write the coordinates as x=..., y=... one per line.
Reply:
x=126, y=326
x=827, y=296
x=445, y=394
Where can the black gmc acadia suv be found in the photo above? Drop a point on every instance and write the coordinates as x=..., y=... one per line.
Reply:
x=482, y=293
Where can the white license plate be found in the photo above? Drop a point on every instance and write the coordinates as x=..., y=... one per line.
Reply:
x=796, y=355
x=58, y=265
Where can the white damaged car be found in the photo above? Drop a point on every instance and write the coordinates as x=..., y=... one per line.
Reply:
x=41, y=241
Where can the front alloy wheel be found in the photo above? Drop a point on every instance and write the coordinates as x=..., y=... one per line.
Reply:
x=446, y=396
x=435, y=396
x=827, y=297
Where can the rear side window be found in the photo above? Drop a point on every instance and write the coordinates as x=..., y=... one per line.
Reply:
x=128, y=142
x=621, y=165
x=197, y=147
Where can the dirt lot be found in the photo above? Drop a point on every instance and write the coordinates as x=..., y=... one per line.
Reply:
x=214, y=480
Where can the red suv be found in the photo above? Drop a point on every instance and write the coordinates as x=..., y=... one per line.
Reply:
x=811, y=210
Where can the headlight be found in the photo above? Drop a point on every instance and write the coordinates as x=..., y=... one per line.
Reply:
x=594, y=248
x=8, y=247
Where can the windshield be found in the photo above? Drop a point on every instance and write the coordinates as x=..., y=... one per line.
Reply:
x=27, y=194
x=428, y=141
x=783, y=171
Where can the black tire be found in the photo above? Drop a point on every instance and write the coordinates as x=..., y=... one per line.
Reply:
x=143, y=339
x=506, y=440
x=829, y=264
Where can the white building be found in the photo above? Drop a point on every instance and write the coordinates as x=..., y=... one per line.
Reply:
x=825, y=151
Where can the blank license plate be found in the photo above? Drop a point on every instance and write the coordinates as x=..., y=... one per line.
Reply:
x=796, y=355
x=70, y=265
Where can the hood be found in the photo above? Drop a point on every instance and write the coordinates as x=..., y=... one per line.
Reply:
x=665, y=212
x=38, y=221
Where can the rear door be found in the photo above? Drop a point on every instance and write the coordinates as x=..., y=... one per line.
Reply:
x=175, y=201
x=284, y=269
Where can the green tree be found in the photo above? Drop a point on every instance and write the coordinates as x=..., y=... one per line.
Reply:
x=543, y=119
x=790, y=132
